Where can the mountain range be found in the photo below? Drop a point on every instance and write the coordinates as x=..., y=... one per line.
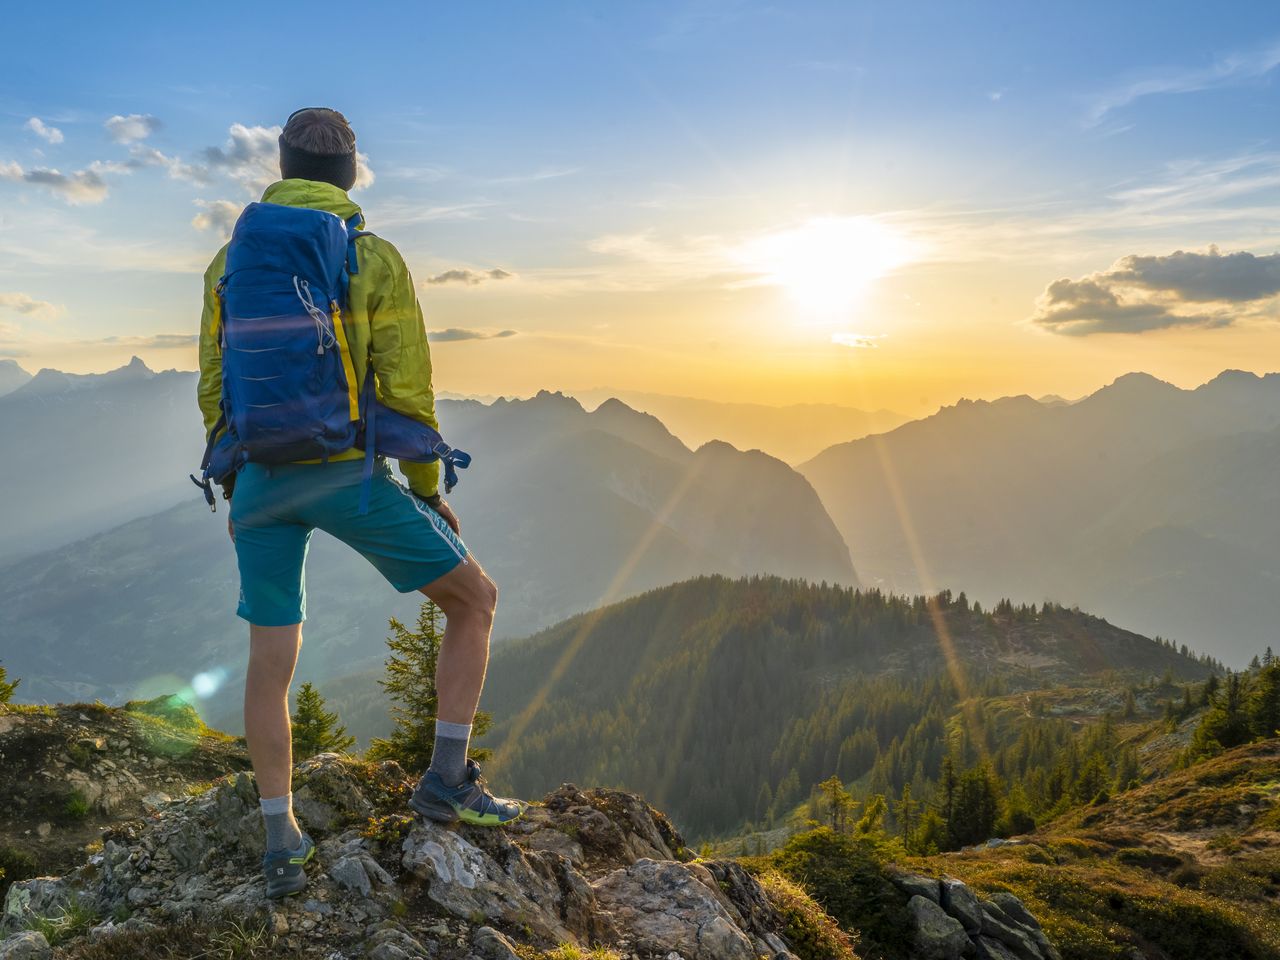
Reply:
x=791, y=432
x=566, y=509
x=1148, y=504
x=86, y=452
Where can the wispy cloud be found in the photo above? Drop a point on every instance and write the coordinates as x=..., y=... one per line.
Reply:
x=131, y=128
x=469, y=278
x=158, y=341
x=44, y=131
x=29, y=306
x=1140, y=293
x=1234, y=69
x=76, y=188
x=403, y=212
x=453, y=334
x=217, y=215
x=542, y=173
x=858, y=341
x=250, y=155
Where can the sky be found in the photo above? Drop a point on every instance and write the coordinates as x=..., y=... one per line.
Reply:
x=878, y=205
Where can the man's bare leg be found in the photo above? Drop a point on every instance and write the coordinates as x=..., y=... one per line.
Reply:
x=449, y=790
x=273, y=654
x=468, y=598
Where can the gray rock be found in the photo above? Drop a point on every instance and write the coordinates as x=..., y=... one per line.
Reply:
x=498, y=884
x=1015, y=910
x=664, y=906
x=489, y=944
x=1020, y=942
x=358, y=872
x=937, y=936
x=1010, y=911
x=961, y=902
x=989, y=949
x=28, y=945
x=393, y=943
x=42, y=897
x=913, y=885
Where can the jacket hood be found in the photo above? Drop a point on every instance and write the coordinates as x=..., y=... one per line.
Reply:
x=314, y=194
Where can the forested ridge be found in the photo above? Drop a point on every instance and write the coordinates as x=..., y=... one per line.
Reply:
x=728, y=701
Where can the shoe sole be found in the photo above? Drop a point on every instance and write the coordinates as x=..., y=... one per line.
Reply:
x=442, y=812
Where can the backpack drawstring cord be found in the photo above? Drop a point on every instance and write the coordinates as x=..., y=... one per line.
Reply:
x=324, y=331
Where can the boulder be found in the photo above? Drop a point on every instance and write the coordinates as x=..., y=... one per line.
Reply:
x=1020, y=942
x=1014, y=909
x=469, y=883
x=961, y=902
x=664, y=906
x=986, y=948
x=936, y=936
x=914, y=885
x=489, y=944
x=28, y=945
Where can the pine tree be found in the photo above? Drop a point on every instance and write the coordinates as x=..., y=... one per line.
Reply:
x=873, y=817
x=947, y=797
x=1209, y=689
x=1264, y=706
x=1227, y=723
x=410, y=682
x=1130, y=705
x=316, y=730
x=6, y=686
x=905, y=811
x=839, y=802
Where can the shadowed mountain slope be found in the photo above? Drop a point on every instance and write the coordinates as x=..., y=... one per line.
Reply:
x=1149, y=504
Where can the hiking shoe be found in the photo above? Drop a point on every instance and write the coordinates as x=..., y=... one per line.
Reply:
x=284, y=869
x=469, y=802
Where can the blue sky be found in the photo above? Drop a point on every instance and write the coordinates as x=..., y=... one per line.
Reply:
x=612, y=157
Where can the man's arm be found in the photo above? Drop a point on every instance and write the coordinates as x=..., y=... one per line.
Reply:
x=402, y=359
x=209, y=390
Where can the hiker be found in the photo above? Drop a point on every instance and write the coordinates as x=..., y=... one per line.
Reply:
x=357, y=373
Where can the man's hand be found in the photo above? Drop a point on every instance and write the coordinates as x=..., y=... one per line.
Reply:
x=450, y=517
x=437, y=504
x=231, y=529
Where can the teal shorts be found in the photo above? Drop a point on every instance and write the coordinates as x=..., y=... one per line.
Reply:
x=275, y=509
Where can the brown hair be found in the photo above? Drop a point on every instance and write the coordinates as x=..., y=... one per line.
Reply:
x=321, y=131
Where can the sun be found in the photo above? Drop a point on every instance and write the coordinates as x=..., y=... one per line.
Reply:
x=826, y=265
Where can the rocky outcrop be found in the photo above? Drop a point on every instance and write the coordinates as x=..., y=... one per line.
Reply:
x=70, y=770
x=951, y=921
x=584, y=867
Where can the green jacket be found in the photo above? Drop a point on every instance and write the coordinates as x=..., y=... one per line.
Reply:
x=382, y=319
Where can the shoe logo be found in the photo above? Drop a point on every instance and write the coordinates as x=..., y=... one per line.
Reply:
x=279, y=871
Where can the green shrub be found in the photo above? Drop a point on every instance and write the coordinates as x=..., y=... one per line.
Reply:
x=811, y=933
x=77, y=806
x=15, y=865
x=75, y=917
x=844, y=875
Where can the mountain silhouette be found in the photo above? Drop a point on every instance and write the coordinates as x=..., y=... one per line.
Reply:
x=1146, y=503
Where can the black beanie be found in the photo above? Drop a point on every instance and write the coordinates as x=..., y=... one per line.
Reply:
x=338, y=169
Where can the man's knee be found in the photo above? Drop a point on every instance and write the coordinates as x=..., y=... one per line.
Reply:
x=469, y=593
x=486, y=597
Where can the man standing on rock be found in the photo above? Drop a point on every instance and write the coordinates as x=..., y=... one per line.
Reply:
x=409, y=533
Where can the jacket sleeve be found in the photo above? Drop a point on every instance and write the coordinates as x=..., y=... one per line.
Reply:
x=209, y=389
x=402, y=359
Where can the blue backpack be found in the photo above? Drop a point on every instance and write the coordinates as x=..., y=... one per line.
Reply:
x=289, y=389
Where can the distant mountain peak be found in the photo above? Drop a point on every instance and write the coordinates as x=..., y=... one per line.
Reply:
x=1138, y=380
x=12, y=376
x=556, y=398
x=50, y=381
